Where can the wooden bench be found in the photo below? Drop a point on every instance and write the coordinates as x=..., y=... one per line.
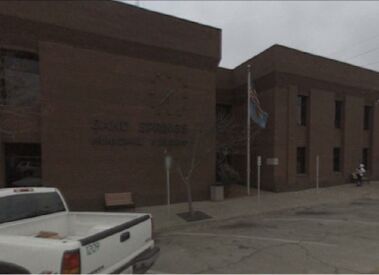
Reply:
x=118, y=200
x=365, y=179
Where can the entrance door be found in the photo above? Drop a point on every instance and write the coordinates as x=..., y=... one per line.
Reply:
x=22, y=164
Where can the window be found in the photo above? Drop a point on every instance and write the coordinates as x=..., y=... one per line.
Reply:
x=301, y=160
x=336, y=159
x=365, y=161
x=19, y=78
x=223, y=153
x=23, y=206
x=223, y=118
x=367, y=118
x=302, y=110
x=338, y=114
x=3, y=94
x=223, y=110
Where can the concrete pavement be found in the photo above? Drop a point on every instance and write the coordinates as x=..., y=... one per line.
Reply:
x=328, y=238
x=250, y=205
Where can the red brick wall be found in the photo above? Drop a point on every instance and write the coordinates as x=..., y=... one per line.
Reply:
x=82, y=86
x=111, y=20
x=281, y=74
x=107, y=61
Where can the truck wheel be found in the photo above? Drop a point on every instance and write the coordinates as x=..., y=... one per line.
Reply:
x=8, y=268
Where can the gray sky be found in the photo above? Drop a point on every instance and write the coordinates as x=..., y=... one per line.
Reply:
x=346, y=31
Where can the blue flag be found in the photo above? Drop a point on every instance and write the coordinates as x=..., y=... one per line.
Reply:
x=256, y=113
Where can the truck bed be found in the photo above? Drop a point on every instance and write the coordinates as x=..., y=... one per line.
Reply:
x=68, y=226
x=106, y=240
x=37, y=220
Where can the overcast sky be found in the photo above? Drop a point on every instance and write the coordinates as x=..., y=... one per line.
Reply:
x=346, y=31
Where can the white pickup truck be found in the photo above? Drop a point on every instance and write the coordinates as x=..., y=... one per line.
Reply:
x=39, y=235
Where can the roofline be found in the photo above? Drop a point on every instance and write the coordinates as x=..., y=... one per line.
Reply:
x=326, y=58
x=224, y=69
x=306, y=53
x=120, y=2
x=258, y=54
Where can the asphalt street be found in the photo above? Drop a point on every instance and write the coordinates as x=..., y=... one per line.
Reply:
x=327, y=238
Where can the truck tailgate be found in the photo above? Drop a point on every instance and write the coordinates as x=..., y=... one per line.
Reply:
x=115, y=246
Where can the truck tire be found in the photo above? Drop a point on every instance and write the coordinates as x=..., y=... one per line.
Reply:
x=8, y=268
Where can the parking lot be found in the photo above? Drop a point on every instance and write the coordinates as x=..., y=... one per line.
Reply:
x=327, y=238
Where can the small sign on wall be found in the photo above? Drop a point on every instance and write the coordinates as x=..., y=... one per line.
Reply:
x=272, y=161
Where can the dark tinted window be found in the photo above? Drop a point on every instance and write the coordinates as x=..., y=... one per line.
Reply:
x=336, y=159
x=22, y=206
x=301, y=160
x=302, y=104
x=367, y=118
x=19, y=78
x=223, y=110
x=365, y=158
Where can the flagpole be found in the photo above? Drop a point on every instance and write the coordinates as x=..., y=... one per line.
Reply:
x=248, y=130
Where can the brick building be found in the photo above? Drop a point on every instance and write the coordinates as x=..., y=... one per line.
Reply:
x=316, y=106
x=93, y=95
x=97, y=92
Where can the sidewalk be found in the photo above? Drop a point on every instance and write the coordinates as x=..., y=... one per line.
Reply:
x=249, y=205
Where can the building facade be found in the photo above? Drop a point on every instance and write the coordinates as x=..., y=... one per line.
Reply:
x=317, y=107
x=96, y=94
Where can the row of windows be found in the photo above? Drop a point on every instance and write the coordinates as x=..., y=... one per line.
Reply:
x=301, y=167
x=302, y=113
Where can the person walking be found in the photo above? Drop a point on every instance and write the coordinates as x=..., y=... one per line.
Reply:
x=360, y=174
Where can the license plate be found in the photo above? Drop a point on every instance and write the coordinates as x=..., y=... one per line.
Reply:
x=92, y=248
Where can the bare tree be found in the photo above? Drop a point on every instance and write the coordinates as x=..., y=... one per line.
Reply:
x=227, y=136
x=191, y=158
